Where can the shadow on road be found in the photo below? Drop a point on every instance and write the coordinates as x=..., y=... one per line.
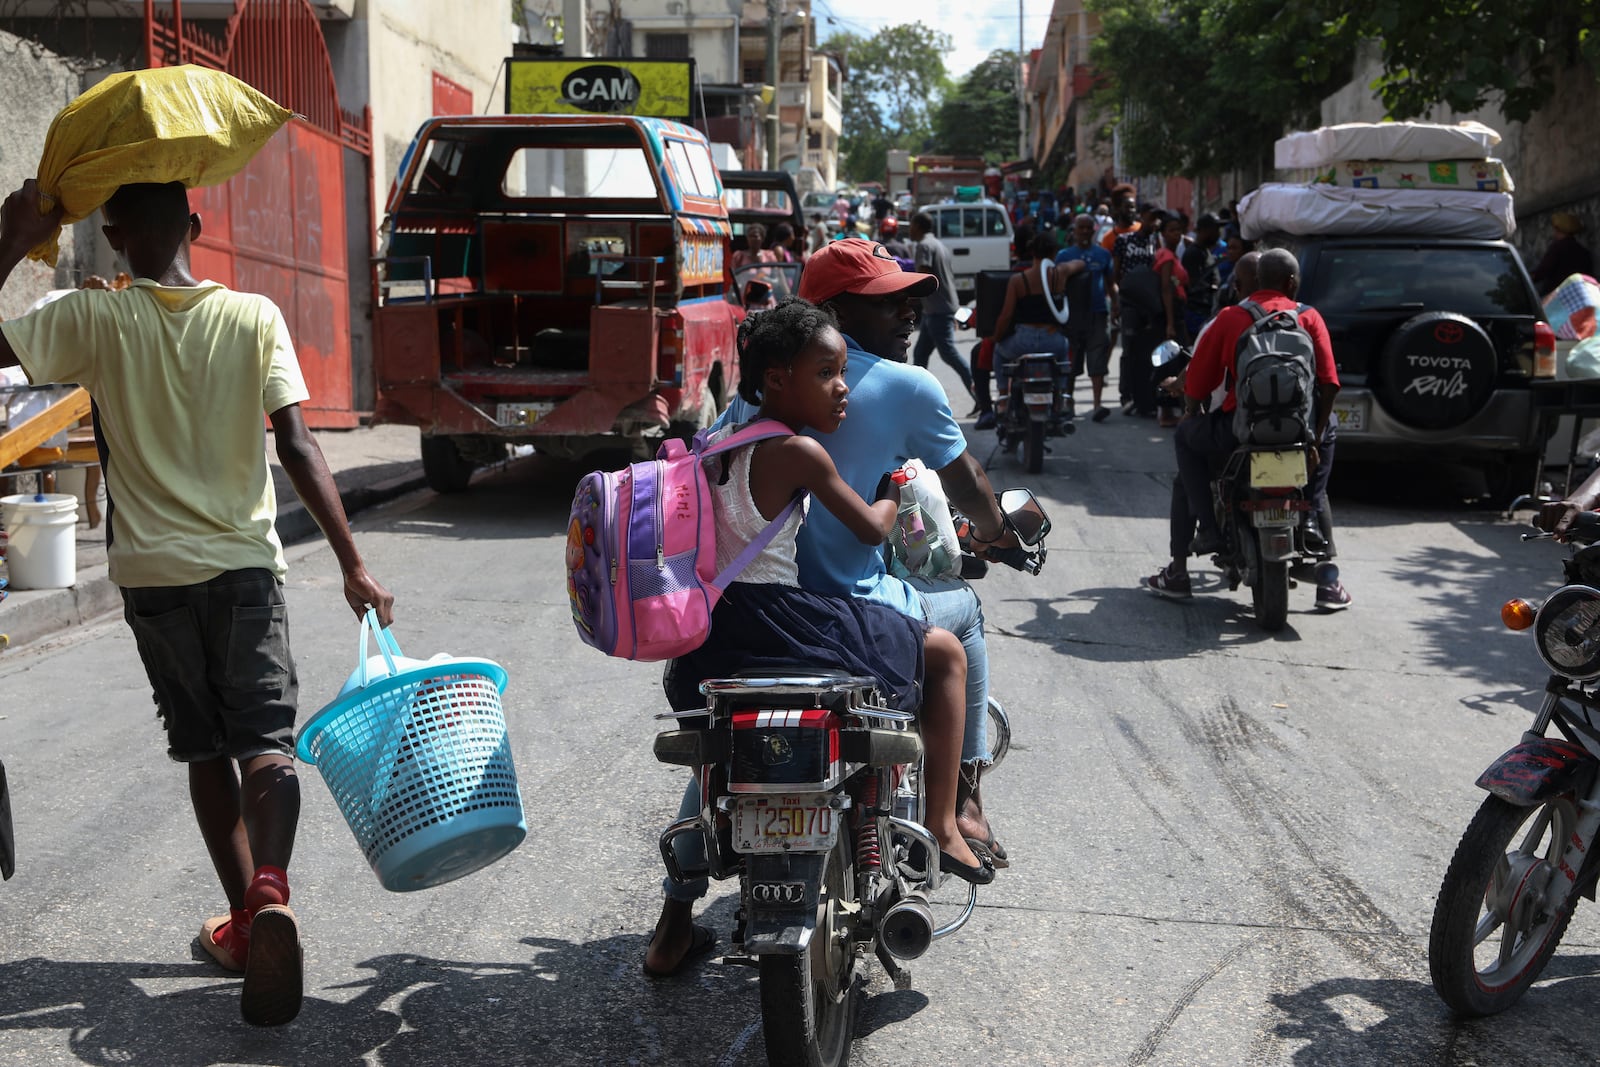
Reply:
x=1402, y=1023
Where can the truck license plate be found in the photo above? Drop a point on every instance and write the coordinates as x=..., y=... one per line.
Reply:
x=522, y=412
x=1274, y=469
x=784, y=824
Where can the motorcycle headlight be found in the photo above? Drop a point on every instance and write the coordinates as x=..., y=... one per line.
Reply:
x=1567, y=631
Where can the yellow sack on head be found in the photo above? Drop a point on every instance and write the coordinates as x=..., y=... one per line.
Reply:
x=184, y=124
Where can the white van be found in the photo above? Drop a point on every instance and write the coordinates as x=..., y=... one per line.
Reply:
x=978, y=235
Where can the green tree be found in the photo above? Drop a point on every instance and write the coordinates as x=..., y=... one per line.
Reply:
x=896, y=78
x=1201, y=87
x=1467, y=53
x=978, y=117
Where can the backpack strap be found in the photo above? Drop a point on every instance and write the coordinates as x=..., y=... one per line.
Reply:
x=760, y=430
x=757, y=545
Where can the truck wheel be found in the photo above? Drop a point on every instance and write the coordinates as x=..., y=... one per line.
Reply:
x=443, y=466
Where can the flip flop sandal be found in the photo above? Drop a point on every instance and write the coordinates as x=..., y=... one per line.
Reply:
x=273, y=979
x=990, y=850
x=213, y=932
x=701, y=942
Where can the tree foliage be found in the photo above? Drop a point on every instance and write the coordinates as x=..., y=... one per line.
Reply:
x=896, y=78
x=978, y=117
x=1203, y=86
x=1467, y=53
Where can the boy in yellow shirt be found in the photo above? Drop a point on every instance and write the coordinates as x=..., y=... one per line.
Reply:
x=180, y=372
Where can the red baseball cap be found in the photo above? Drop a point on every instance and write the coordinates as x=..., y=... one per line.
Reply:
x=862, y=267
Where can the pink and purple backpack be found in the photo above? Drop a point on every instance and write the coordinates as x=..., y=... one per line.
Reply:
x=642, y=550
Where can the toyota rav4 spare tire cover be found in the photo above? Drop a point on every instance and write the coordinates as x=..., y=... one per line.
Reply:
x=1437, y=371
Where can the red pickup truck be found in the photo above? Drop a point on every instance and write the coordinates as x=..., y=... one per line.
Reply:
x=555, y=280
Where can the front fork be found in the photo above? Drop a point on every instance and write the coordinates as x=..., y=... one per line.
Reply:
x=1540, y=770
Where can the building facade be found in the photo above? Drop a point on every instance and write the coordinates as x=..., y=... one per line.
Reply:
x=1064, y=129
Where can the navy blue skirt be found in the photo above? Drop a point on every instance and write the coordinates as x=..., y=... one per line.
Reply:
x=762, y=626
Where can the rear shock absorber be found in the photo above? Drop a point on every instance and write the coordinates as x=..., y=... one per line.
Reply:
x=869, y=858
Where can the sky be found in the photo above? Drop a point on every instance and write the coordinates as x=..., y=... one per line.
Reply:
x=976, y=26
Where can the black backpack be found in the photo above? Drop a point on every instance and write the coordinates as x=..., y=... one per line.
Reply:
x=1274, y=374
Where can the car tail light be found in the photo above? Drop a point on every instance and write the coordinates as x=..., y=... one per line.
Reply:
x=669, y=350
x=1544, y=350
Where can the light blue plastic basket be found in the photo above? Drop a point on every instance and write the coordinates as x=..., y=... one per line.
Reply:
x=416, y=755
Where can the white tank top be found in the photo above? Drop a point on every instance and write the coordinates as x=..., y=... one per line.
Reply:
x=739, y=521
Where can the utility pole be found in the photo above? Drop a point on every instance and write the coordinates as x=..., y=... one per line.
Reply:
x=774, y=38
x=1022, y=90
x=574, y=45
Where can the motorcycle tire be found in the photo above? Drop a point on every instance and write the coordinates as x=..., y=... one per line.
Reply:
x=1464, y=924
x=1270, y=596
x=808, y=1001
x=1033, y=447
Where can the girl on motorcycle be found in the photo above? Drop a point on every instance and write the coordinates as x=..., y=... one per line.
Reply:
x=791, y=361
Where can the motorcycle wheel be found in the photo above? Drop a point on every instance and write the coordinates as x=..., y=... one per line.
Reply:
x=1270, y=596
x=999, y=733
x=1033, y=448
x=1474, y=971
x=808, y=1002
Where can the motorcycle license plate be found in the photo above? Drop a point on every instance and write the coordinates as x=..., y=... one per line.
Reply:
x=1272, y=469
x=1271, y=517
x=1038, y=398
x=784, y=824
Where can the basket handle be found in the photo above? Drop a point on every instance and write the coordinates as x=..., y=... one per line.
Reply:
x=386, y=645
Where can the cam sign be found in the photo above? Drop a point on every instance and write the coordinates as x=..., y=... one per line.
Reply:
x=650, y=87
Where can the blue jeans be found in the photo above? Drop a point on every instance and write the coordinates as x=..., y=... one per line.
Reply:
x=940, y=331
x=948, y=603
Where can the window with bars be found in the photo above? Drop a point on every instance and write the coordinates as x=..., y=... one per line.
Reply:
x=666, y=46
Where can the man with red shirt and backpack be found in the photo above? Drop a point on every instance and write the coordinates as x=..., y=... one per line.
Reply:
x=1207, y=437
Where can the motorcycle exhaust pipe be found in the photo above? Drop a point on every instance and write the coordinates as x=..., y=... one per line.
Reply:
x=906, y=930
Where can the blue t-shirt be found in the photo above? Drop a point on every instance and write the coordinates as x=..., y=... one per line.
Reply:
x=897, y=412
x=1099, y=261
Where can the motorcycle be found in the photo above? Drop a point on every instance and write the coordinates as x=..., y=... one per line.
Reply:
x=1528, y=854
x=1032, y=406
x=1261, y=508
x=812, y=796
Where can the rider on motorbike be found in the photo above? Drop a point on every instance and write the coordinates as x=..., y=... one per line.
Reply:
x=1205, y=437
x=897, y=413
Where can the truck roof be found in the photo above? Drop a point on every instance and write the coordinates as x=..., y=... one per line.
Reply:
x=494, y=138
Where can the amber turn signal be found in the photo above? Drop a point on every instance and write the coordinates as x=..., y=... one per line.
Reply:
x=1517, y=614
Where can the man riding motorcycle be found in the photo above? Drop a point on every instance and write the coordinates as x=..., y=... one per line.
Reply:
x=1205, y=437
x=897, y=412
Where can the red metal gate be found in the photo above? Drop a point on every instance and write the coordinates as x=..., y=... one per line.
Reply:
x=278, y=228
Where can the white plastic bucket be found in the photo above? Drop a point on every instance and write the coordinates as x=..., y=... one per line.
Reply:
x=42, y=549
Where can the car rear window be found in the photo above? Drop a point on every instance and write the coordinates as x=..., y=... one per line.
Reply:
x=1469, y=281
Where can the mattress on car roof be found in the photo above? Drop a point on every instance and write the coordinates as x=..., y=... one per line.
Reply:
x=1332, y=210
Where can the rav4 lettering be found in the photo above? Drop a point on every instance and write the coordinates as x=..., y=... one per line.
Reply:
x=1434, y=385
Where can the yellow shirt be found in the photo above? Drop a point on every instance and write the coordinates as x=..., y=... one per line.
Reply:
x=181, y=378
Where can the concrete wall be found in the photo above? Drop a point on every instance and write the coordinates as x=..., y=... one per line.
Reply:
x=47, y=83
x=398, y=44
x=1551, y=157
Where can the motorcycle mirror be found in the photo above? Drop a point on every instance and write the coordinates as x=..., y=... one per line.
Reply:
x=1027, y=517
x=1166, y=352
x=756, y=291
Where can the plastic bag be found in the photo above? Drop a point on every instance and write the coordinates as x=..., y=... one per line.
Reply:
x=923, y=542
x=1572, y=307
x=184, y=124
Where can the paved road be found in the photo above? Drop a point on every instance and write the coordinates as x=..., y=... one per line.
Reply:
x=1226, y=844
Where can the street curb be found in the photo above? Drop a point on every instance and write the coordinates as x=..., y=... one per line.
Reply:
x=95, y=595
